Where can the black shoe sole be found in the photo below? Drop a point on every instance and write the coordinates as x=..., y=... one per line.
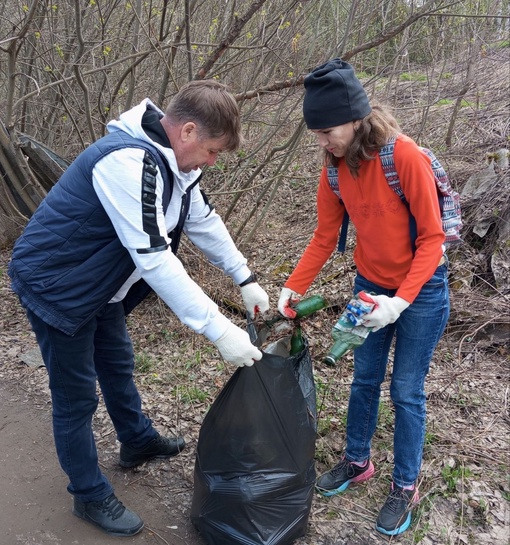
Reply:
x=136, y=463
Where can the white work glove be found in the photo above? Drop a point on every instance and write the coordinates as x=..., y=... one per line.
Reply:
x=235, y=347
x=387, y=311
x=287, y=297
x=255, y=299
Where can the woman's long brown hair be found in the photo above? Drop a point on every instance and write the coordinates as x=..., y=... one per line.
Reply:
x=372, y=134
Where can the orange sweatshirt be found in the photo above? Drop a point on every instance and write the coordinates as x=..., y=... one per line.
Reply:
x=383, y=252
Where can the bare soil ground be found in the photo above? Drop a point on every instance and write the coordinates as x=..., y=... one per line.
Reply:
x=464, y=483
x=34, y=504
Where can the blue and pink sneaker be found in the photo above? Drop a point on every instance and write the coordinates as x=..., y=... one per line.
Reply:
x=338, y=479
x=395, y=515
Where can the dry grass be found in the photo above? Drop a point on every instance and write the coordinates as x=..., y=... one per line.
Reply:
x=464, y=482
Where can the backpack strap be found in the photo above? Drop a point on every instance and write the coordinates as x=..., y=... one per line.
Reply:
x=333, y=183
x=342, y=239
x=390, y=172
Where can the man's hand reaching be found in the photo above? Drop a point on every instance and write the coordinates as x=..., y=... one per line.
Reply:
x=235, y=347
x=255, y=299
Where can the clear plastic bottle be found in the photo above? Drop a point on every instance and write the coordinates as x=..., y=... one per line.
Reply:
x=349, y=332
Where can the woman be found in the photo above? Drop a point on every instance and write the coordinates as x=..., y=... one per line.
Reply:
x=408, y=276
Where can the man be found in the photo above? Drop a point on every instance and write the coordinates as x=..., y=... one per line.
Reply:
x=105, y=235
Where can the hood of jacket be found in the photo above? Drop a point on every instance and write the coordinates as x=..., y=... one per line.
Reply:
x=130, y=122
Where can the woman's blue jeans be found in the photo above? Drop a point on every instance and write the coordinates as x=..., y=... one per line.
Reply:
x=100, y=350
x=417, y=332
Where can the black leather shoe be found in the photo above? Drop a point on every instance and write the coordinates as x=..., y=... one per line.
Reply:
x=110, y=515
x=159, y=447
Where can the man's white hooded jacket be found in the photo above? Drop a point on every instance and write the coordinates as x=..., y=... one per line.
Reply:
x=105, y=225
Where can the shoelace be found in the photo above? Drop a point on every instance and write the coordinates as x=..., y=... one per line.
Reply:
x=340, y=467
x=395, y=498
x=113, y=507
x=159, y=440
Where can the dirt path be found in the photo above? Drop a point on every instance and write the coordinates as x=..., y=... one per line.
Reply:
x=464, y=481
x=35, y=508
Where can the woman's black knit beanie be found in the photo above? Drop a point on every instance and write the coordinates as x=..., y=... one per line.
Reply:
x=334, y=96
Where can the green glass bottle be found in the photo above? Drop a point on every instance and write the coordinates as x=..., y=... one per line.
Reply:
x=309, y=305
x=303, y=308
x=297, y=343
x=349, y=332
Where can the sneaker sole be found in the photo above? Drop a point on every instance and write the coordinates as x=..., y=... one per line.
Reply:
x=398, y=530
x=359, y=479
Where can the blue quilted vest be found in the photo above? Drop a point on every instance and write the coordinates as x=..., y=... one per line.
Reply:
x=69, y=261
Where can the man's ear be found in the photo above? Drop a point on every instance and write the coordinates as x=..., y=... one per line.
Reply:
x=187, y=130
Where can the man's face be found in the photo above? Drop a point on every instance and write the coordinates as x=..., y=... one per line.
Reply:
x=194, y=150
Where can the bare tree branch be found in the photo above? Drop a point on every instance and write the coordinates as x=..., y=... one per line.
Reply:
x=232, y=34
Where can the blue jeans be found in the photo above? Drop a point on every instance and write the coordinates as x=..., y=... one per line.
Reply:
x=417, y=332
x=100, y=350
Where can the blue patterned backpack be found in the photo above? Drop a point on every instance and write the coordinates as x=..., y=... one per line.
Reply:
x=449, y=200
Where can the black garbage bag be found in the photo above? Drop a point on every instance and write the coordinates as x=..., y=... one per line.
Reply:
x=254, y=469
